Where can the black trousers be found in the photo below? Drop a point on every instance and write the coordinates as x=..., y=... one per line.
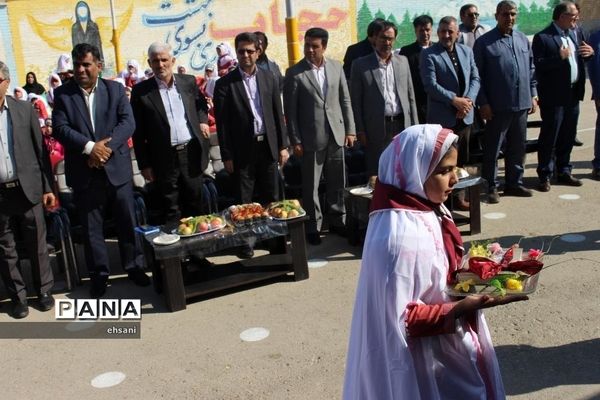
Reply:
x=181, y=191
x=92, y=203
x=259, y=174
x=16, y=212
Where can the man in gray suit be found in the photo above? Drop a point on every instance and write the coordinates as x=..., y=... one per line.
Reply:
x=383, y=98
x=320, y=123
x=24, y=191
x=508, y=93
x=451, y=81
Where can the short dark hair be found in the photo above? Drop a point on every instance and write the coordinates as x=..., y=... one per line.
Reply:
x=505, y=3
x=422, y=20
x=82, y=49
x=447, y=20
x=560, y=9
x=465, y=8
x=375, y=27
x=387, y=25
x=318, y=33
x=263, y=38
x=247, y=37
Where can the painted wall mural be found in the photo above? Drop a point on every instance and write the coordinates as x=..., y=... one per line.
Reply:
x=35, y=32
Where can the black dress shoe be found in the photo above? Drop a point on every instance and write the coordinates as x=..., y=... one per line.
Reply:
x=568, y=179
x=138, y=277
x=493, y=197
x=338, y=230
x=577, y=142
x=518, y=191
x=596, y=174
x=46, y=301
x=544, y=186
x=245, y=252
x=20, y=309
x=98, y=287
x=313, y=238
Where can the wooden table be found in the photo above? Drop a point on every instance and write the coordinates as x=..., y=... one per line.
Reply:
x=286, y=256
x=357, y=210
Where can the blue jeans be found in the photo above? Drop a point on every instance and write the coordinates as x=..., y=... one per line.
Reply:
x=557, y=135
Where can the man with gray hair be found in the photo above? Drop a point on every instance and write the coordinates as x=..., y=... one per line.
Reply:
x=171, y=135
x=24, y=191
x=508, y=93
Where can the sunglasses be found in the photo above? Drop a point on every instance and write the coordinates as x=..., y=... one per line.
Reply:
x=476, y=15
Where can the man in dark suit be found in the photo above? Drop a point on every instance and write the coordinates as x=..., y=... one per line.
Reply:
x=250, y=125
x=170, y=138
x=24, y=191
x=559, y=65
x=412, y=52
x=92, y=119
x=383, y=99
x=362, y=48
x=320, y=123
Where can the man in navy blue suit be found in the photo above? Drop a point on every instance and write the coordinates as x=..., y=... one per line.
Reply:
x=559, y=64
x=93, y=121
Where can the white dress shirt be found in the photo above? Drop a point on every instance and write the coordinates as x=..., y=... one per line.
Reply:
x=90, y=102
x=253, y=93
x=568, y=42
x=175, y=110
x=392, y=103
x=8, y=170
x=320, y=76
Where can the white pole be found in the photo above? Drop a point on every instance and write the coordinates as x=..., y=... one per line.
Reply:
x=112, y=14
x=289, y=8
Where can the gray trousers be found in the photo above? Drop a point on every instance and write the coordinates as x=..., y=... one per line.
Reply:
x=16, y=212
x=330, y=163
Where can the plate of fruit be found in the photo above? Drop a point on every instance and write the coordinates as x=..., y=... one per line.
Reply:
x=286, y=209
x=492, y=270
x=201, y=225
x=244, y=214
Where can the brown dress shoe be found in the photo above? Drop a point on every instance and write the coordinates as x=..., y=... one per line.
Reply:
x=461, y=205
x=544, y=186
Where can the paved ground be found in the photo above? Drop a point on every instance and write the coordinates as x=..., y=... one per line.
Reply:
x=548, y=347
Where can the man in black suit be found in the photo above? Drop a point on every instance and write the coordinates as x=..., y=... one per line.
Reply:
x=170, y=138
x=92, y=119
x=362, y=48
x=559, y=64
x=24, y=191
x=250, y=125
x=423, y=26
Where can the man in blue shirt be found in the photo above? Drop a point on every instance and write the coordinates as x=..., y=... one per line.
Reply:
x=508, y=93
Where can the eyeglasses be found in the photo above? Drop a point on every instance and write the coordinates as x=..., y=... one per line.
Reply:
x=476, y=15
x=244, y=51
x=572, y=16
